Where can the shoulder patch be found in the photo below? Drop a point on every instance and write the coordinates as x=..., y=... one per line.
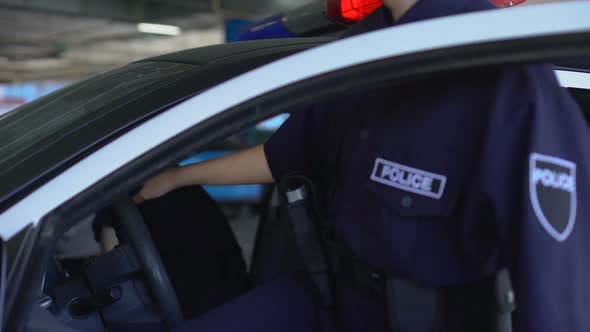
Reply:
x=408, y=178
x=552, y=186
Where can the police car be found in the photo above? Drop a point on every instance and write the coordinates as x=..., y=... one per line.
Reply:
x=88, y=146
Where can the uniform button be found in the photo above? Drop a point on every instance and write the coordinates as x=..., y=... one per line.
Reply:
x=364, y=134
x=510, y=297
x=407, y=202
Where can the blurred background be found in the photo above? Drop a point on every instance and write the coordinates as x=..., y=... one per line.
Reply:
x=47, y=44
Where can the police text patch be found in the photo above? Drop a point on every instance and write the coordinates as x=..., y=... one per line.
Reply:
x=408, y=178
x=552, y=185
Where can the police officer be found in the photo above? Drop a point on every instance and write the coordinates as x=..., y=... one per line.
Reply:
x=441, y=184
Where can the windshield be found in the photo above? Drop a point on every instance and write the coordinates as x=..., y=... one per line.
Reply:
x=32, y=126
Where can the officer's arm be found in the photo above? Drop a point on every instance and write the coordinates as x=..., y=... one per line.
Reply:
x=245, y=167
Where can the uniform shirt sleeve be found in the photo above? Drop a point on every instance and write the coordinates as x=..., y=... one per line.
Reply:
x=536, y=175
x=306, y=144
x=287, y=150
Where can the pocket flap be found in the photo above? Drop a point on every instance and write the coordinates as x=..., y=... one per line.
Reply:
x=413, y=191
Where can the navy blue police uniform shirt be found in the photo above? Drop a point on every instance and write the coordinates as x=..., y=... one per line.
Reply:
x=447, y=180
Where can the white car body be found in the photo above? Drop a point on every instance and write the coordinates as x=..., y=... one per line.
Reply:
x=497, y=25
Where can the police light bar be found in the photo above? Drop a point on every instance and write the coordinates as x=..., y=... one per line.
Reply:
x=351, y=11
x=322, y=18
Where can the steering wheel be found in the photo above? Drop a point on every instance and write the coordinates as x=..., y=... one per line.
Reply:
x=141, y=241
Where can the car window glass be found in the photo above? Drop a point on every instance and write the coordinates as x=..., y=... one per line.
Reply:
x=35, y=122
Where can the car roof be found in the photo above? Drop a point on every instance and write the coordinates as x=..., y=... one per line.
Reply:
x=207, y=54
x=39, y=139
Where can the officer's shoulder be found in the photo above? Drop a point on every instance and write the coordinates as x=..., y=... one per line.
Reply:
x=537, y=80
x=521, y=91
x=524, y=80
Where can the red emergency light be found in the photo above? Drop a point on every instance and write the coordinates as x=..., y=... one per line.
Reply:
x=351, y=11
x=506, y=3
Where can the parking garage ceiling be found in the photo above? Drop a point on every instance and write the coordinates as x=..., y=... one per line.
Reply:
x=70, y=39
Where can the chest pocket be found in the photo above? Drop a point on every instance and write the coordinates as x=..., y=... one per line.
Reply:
x=405, y=215
x=420, y=165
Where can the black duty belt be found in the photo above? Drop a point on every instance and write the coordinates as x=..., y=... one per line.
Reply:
x=482, y=306
x=410, y=307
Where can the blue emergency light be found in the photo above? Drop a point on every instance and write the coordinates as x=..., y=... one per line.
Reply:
x=271, y=27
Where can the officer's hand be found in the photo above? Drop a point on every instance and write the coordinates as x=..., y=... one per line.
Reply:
x=157, y=186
